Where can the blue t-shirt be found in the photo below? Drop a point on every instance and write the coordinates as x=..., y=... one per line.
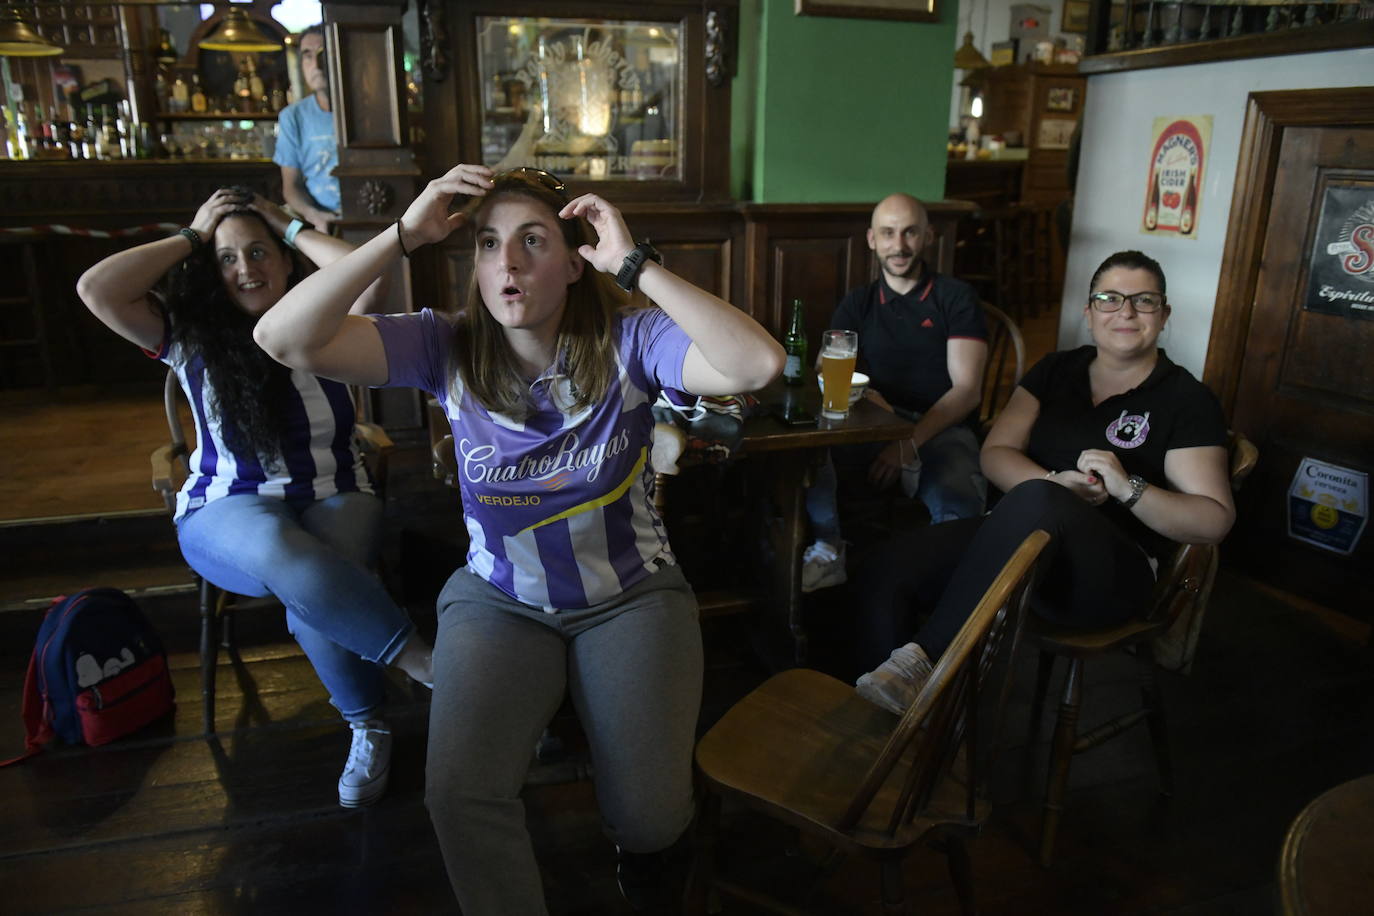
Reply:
x=558, y=504
x=305, y=141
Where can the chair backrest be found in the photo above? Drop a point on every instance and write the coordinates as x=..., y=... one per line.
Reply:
x=1185, y=586
x=1005, y=366
x=945, y=713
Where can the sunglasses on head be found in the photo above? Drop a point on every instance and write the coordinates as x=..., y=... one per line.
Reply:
x=536, y=176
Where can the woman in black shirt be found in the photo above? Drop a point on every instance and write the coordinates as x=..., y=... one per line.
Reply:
x=1112, y=448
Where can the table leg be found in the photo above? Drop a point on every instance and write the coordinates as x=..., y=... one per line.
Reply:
x=791, y=478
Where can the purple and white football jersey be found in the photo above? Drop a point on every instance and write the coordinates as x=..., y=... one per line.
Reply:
x=558, y=505
x=319, y=457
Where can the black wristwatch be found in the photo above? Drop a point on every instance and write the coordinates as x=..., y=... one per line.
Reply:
x=1138, y=485
x=628, y=275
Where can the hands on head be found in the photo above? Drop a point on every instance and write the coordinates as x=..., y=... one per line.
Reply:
x=428, y=219
x=233, y=200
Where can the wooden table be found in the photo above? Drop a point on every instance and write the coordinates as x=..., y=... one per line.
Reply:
x=793, y=453
x=1324, y=867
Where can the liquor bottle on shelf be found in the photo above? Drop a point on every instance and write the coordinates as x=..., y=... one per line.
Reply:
x=41, y=132
x=124, y=127
x=14, y=135
x=76, y=130
x=198, y=101
x=114, y=148
x=181, y=96
x=1188, y=217
x=243, y=93
x=255, y=87
x=794, y=343
x=28, y=143
x=61, y=133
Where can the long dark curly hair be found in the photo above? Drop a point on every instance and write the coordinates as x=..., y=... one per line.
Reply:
x=251, y=389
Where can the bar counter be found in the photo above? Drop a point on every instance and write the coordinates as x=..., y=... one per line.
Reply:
x=119, y=193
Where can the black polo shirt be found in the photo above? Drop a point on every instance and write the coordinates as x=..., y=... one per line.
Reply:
x=902, y=338
x=1169, y=410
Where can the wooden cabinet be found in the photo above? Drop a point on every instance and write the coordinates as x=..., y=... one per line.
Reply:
x=1041, y=105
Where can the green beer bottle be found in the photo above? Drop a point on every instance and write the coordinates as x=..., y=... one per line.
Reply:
x=794, y=370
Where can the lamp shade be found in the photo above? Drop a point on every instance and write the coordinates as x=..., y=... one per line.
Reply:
x=968, y=57
x=19, y=39
x=236, y=32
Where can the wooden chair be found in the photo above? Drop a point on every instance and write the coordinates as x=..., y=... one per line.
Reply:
x=1006, y=364
x=1167, y=635
x=805, y=749
x=170, y=468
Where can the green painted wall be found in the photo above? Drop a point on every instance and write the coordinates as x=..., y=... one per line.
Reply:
x=839, y=110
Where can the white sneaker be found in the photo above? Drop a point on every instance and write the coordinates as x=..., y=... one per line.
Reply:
x=894, y=684
x=822, y=566
x=369, y=763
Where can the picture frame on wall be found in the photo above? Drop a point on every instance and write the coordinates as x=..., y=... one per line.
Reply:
x=908, y=10
x=1060, y=98
x=1074, y=16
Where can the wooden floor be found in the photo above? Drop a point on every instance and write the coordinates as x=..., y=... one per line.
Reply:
x=172, y=821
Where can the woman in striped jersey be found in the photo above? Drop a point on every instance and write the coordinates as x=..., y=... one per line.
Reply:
x=570, y=585
x=278, y=500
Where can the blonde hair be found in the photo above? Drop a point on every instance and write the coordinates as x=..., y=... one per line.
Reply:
x=585, y=346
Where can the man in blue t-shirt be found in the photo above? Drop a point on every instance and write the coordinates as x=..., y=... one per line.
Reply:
x=923, y=345
x=306, y=149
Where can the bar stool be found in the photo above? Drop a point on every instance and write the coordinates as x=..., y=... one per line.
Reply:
x=26, y=311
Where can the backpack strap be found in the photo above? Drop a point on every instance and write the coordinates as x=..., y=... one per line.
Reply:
x=37, y=729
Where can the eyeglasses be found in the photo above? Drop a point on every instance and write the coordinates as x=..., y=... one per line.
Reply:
x=538, y=176
x=1112, y=301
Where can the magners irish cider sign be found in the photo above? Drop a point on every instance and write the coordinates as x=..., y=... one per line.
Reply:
x=1173, y=189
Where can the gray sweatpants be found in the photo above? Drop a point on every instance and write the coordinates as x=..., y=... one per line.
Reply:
x=633, y=667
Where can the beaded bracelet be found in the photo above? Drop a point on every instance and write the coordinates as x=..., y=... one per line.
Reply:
x=193, y=237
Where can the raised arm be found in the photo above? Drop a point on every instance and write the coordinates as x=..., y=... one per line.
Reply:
x=321, y=249
x=311, y=328
x=116, y=290
x=730, y=353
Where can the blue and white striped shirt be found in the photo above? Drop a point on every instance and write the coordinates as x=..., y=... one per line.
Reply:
x=319, y=457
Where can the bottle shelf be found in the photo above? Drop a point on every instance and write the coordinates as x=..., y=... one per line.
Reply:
x=217, y=116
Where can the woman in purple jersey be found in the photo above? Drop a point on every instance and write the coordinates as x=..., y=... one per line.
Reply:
x=278, y=501
x=570, y=585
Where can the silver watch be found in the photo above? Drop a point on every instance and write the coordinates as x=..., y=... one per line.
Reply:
x=1138, y=485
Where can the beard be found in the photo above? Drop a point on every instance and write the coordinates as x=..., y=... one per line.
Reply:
x=912, y=267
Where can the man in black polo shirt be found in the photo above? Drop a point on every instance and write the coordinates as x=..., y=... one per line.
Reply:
x=923, y=345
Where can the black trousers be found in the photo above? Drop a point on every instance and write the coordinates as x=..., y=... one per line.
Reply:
x=1091, y=573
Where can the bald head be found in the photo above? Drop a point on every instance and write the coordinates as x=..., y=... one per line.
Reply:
x=898, y=234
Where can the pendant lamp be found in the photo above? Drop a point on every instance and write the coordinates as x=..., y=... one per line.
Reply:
x=19, y=39
x=236, y=32
x=968, y=57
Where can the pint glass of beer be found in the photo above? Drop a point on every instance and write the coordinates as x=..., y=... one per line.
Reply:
x=839, y=350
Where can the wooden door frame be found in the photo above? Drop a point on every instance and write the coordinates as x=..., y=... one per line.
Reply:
x=1267, y=116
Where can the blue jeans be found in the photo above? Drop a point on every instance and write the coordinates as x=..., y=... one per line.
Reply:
x=315, y=558
x=952, y=484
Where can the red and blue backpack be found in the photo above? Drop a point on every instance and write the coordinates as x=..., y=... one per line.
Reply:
x=98, y=672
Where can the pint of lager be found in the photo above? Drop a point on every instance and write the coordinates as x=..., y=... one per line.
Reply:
x=839, y=351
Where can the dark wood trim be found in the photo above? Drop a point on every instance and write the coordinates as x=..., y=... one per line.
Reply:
x=931, y=12
x=1267, y=115
x=1333, y=36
